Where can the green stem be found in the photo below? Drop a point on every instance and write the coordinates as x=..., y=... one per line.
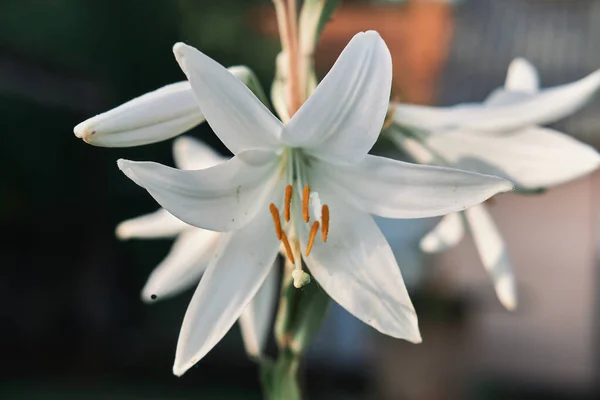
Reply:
x=301, y=313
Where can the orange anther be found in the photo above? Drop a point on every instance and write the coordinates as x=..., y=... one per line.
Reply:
x=305, y=197
x=288, y=248
x=276, y=220
x=287, y=203
x=325, y=220
x=311, y=238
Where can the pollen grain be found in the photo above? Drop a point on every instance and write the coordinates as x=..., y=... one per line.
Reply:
x=311, y=238
x=325, y=221
x=276, y=220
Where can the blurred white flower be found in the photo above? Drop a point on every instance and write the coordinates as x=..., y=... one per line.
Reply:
x=500, y=136
x=316, y=170
x=152, y=117
x=192, y=251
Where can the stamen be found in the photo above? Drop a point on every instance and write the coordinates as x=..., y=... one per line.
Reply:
x=288, y=248
x=276, y=220
x=311, y=238
x=287, y=203
x=325, y=221
x=305, y=197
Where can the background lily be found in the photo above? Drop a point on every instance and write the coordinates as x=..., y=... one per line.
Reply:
x=192, y=251
x=154, y=116
x=288, y=184
x=500, y=137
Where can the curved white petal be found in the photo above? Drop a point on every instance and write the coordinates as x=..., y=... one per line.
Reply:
x=501, y=97
x=396, y=189
x=240, y=120
x=182, y=268
x=221, y=198
x=532, y=157
x=493, y=254
x=342, y=119
x=159, y=224
x=446, y=234
x=522, y=76
x=234, y=276
x=434, y=118
x=547, y=106
x=357, y=269
x=192, y=154
x=152, y=117
x=255, y=321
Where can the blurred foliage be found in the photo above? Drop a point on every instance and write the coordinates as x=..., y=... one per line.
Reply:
x=69, y=289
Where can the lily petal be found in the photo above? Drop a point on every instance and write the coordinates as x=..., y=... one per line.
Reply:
x=152, y=117
x=396, y=189
x=493, y=254
x=533, y=157
x=357, y=269
x=221, y=198
x=159, y=224
x=522, y=82
x=522, y=76
x=434, y=118
x=446, y=234
x=192, y=154
x=182, y=268
x=342, y=119
x=236, y=273
x=238, y=118
x=255, y=320
x=547, y=106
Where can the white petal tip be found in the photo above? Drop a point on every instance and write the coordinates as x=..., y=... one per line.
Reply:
x=519, y=62
x=508, y=301
x=122, y=231
x=122, y=163
x=506, y=291
x=125, y=166
x=371, y=33
x=84, y=131
x=510, y=306
x=416, y=340
x=180, y=369
x=507, y=186
x=148, y=296
x=181, y=50
x=431, y=244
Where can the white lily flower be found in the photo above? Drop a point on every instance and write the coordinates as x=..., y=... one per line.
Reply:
x=150, y=118
x=500, y=137
x=316, y=170
x=192, y=251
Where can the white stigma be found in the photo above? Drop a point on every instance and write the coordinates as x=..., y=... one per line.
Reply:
x=300, y=277
x=316, y=206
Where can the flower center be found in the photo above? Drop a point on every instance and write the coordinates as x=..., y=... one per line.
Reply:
x=311, y=207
